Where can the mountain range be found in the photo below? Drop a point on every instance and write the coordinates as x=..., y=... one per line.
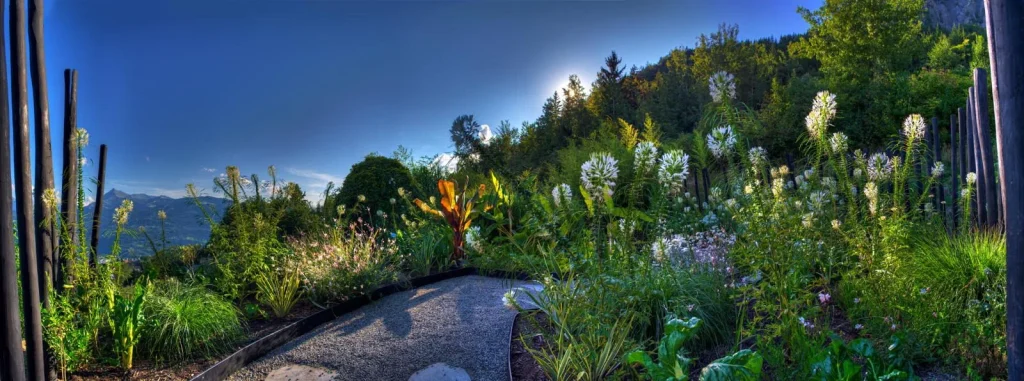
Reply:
x=185, y=223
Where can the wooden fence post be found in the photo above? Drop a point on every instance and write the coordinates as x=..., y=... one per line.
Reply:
x=69, y=180
x=12, y=358
x=696, y=188
x=98, y=207
x=937, y=191
x=46, y=242
x=985, y=145
x=1006, y=57
x=954, y=168
x=23, y=183
x=975, y=161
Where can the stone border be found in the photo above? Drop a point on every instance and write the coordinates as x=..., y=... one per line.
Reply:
x=264, y=345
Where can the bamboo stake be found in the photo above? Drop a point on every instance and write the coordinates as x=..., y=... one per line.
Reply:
x=955, y=168
x=46, y=242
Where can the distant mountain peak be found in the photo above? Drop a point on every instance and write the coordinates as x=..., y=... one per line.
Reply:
x=116, y=193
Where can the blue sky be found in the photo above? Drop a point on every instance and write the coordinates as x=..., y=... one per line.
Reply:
x=180, y=89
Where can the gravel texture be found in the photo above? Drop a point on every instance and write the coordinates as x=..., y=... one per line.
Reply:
x=461, y=322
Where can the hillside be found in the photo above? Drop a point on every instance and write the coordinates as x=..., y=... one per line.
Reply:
x=185, y=223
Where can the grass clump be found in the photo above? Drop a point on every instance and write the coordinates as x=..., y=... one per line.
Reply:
x=189, y=321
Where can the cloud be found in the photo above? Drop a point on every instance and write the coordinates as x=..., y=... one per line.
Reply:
x=314, y=183
x=447, y=162
x=210, y=170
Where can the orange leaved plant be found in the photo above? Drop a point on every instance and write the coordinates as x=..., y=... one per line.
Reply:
x=458, y=210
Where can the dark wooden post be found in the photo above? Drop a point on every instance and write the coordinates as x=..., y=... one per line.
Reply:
x=12, y=358
x=696, y=188
x=69, y=180
x=937, y=190
x=975, y=160
x=98, y=207
x=954, y=168
x=985, y=145
x=46, y=242
x=23, y=183
x=1006, y=57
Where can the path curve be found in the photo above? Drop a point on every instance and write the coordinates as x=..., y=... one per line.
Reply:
x=461, y=322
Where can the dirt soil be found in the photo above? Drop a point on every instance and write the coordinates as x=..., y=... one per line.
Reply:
x=527, y=329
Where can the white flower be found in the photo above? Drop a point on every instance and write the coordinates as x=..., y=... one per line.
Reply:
x=50, y=199
x=822, y=111
x=777, y=186
x=361, y=198
x=600, y=172
x=645, y=156
x=913, y=127
x=392, y=201
x=839, y=142
x=836, y=224
x=817, y=200
x=799, y=180
x=806, y=323
x=561, y=192
x=161, y=215
x=965, y=193
x=972, y=178
x=83, y=137
x=485, y=134
x=858, y=327
x=938, y=169
x=748, y=189
x=721, y=141
x=879, y=167
x=858, y=173
x=510, y=299
x=121, y=213
x=758, y=156
x=808, y=220
x=871, y=192
x=721, y=86
x=675, y=166
x=401, y=192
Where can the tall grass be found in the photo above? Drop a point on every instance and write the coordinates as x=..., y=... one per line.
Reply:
x=188, y=321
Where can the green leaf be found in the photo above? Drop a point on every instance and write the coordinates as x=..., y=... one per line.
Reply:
x=742, y=365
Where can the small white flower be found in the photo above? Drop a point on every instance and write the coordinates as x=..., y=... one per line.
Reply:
x=808, y=220
x=645, y=156
x=561, y=192
x=361, y=198
x=913, y=127
x=748, y=189
x=937, y=169
x=879, y=167
x=858, y=327
x=836, y=224
x=675, y=166
x=758, y=156
x=599, y=172
x=839, y=142
x=721, y=86
x=858, y=173
x=972, y=178
x=510, y=299
x=822, y=111
x=721, y=141
x=392, y=201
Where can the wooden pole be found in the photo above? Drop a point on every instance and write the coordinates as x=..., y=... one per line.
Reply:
x=69, y=177
x=937, y=190
x=954, y=170
x=985, y=146
x=696, y=189
x=12, y=358
x=46, y=241
x=1006, y=57
x=23, y=183
x=98, y=207
x=975, y=158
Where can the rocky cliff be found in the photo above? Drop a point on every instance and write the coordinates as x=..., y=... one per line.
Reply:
x=949, y=13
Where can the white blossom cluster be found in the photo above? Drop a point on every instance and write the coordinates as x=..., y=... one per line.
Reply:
x=721, y=141
x=675, y=166
x=598, y=173
x=722, y=85
x=822, y=111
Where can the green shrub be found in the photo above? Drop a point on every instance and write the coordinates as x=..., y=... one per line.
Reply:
x=375, y=180
x=189, y=321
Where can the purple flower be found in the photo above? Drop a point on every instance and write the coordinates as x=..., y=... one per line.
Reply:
x=824, y=298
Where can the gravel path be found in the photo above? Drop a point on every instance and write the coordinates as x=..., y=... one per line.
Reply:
x=461, y=322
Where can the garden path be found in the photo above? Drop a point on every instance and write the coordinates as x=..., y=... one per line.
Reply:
x=460, y=322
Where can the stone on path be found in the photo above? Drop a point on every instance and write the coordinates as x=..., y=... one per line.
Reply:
x=301, y=372
x=440, y=372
